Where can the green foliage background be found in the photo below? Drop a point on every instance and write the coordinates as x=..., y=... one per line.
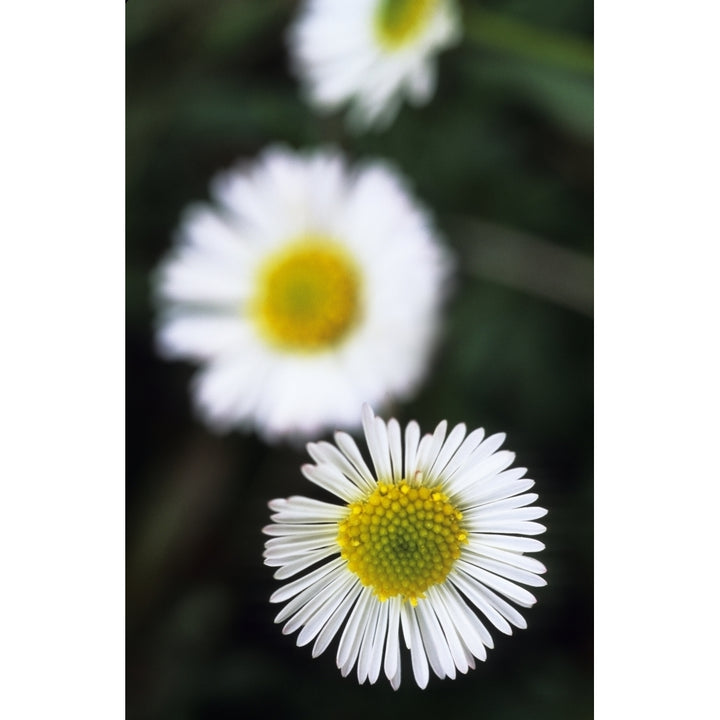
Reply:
x=503, y=156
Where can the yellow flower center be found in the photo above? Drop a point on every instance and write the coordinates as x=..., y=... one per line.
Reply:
x=399, y=21
x=308, y=295
x=401, y=539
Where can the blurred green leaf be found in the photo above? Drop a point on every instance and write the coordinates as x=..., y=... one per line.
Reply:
x=505, y=33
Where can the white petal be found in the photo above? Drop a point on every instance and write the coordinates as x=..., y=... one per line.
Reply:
x=298, y=509
x=351, y=451
x=434, y=640
x=468, y=628
x=366, y=644
x=336, y=620
x=296, y=586
x=395, y=442
x=392, y=650
x=452, y=443
x=507, y=588
x=413, y=640
x=412, y=439
x=325, y=453
x=331, y=601
x=351, y=637
x=331, y=479
x=469, y=587
x=293, y=568
x=457, y=650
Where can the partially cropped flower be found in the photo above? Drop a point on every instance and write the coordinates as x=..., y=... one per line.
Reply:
x=303, y=291
x=371, y=53
x=431, y=543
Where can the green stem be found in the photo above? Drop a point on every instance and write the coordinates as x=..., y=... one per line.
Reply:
x=525, y=262
x=504, y=33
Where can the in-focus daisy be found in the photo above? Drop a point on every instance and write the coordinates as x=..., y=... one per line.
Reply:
x=430, y=545
x=371, y=53
x=306, y=289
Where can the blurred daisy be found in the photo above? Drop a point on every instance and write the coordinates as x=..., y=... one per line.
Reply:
x=434, y=536
x=371, y=53
x=304, y=291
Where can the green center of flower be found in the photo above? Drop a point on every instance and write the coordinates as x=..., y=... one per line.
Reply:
x=308, y=295
x=401, y=539
x=399, y=21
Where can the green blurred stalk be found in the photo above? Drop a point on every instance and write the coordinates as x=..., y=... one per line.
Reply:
x=518, y=38
x=525, y=262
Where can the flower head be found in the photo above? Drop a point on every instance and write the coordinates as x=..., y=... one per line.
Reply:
x=371, y=53
x=304, y=290
x=431, y=540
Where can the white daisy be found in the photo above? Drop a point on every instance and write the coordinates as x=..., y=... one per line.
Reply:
x=305, y=290
x=436, y=534
x=370, y=53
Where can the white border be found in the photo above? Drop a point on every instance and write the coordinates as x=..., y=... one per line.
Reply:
x=657, y=360
x=62, y=296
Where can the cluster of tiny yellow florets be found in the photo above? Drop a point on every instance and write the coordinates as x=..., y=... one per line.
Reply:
x=308, y=295
x=401, y=539
x=399, y=21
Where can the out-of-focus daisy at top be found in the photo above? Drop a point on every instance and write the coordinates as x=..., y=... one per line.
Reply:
x=428, y=542
x=306, y=289
x=371, y=53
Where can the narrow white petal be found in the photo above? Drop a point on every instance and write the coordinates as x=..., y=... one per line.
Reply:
x=473, y=591
x=296, y=566
x=432, y=449
x=471, y=628
x=376, y=655
x=412, y=438
x=463, y=453
x=332, y=600
x=350, y=640
x=509, y=612
x=293, y=588
x=392, y=650
x=434, y=641
x=510, y=527
x=418, y=657
x=351, y=451
x=331, y=479
x=377, y=443
x=336, y=620
x=325, y=453
x=448, y=449
x=510, y=572
x=492, y=489
x=314, y=598
x=366, y=644
x=513, y=502
x=510, y=542
x=395, y=442
x=515, y=559
x=289, y=546
x=491, y=513
x=481, y=463
x=457, y=650
x=299, y=530
x=423, y=457
x=298, y=509
x=505, y=587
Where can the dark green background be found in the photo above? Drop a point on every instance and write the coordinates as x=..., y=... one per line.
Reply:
x=503, y=157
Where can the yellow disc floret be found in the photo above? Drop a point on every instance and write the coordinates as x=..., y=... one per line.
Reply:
x=308, y=295
x=401, y=539
x=399, y=21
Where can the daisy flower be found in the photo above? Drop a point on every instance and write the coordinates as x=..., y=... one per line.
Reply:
x=371, y=53
x=304, y=290
x=431, y=545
